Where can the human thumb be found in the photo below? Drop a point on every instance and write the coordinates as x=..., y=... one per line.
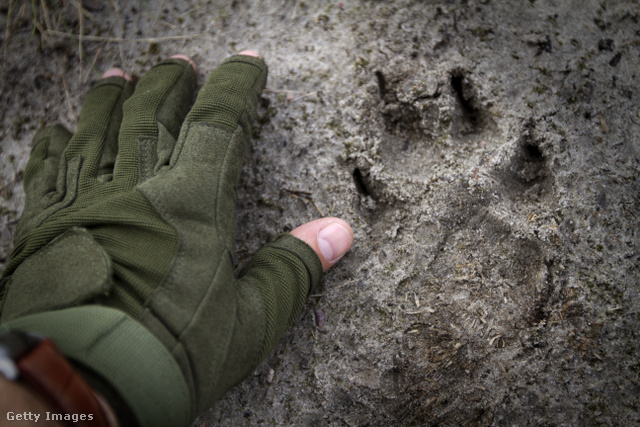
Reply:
x=330, y=238
x=276, y=281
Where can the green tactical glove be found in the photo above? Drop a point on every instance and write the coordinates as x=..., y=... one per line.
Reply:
x=136, y=212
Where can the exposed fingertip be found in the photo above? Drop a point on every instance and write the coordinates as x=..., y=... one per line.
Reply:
x=186, y=58
x=330, y=238
x=116, y=72
x=334, y=240
x=250, y=53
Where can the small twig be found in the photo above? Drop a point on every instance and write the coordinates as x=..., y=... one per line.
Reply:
x=47, y=23
x=155, y=18
x=45, y=17
x=167, y=24
x=66, y=90
x=118, y=14
x=296, y=99
x=348, y=283
x=80, y=35
x=269, y=90
x=275, y=372
x=304, y=96
x=123, y=40
x=7, y=33
x=316, y=206
x=305, y=194
x=426, y=310
x=93, y=64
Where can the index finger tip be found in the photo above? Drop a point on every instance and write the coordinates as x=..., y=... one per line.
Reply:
x=250, y=53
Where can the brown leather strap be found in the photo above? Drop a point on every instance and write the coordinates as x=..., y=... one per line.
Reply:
x=49, y=373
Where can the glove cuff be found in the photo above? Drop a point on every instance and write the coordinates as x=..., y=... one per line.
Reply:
x=302, y=251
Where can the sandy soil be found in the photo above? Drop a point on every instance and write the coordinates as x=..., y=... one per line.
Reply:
x=486, y=154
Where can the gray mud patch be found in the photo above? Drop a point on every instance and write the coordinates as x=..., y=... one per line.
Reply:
x=486, y=154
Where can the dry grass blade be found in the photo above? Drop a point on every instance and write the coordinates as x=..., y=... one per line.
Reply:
x=80, y=33
x=45, y=15
x=118, y=14
x=66, y=90
x=293, y=99
x=159, y=11
x=123, y=40
x=7, y=33
x=93, y=64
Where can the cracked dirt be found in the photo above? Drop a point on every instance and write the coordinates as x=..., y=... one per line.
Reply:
x=486, y=154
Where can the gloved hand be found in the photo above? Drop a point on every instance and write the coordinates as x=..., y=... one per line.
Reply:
x=136, y=211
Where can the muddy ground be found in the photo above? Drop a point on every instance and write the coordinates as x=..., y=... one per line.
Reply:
x=486, y=154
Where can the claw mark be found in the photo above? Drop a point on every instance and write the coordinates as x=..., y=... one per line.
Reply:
x=361, y=186
x=469, y=112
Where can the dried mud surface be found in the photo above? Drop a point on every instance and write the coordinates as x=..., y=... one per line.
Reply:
x=486, y=154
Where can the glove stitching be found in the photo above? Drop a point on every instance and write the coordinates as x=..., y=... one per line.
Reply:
x=145, y=148
x=93, y=265
x=217, y=195
x=177, y=150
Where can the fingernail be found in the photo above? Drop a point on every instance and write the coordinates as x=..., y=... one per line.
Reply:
x=249, y=53
x=334, y=241
x=186, y=58
x=116, y=72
